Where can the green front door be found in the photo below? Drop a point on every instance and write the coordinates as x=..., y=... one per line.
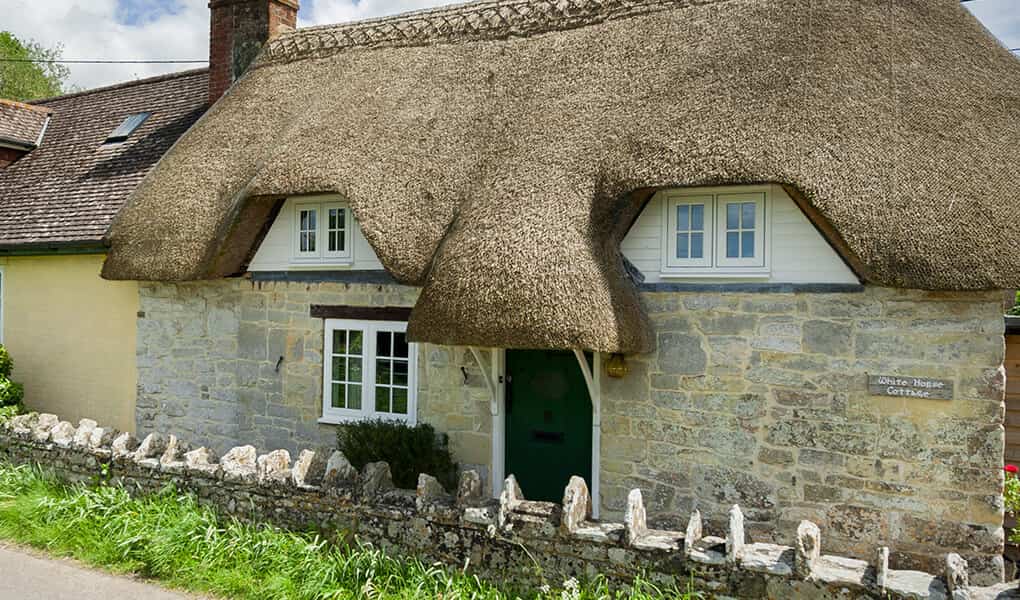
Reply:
x=548, y=422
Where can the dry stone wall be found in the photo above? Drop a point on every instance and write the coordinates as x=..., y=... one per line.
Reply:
x=513, y=539
x=752, y=397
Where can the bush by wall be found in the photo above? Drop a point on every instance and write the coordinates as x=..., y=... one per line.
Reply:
x=11, y=394
x=408, y=450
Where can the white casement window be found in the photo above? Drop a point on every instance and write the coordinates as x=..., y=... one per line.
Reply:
x=708, y=234
x=369, y=371
x=322, y=231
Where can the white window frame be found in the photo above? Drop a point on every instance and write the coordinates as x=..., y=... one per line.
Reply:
x=322, y=252
x=670, y=204
x=715, y=263
x=367, y=411
x=722, y=201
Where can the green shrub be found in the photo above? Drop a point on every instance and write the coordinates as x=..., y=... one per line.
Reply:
x=408, y=450
x=6, y=362
x=11, y=394
x=6, y=412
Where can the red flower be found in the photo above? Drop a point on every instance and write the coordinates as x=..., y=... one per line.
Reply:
x=1011, y=469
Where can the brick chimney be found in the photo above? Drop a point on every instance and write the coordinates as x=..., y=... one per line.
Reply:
x=237, y=31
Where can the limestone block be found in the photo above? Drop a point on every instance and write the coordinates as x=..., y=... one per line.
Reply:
x=201, y=459
x=83, y=435
x=309, y=469
x=240, y=464
x=24, y=424
x=376, y=479
x=882, y=568
x=469, y=489
x=956, y=573
x=62, y=434
x=808, y=549
x=576, y=505
x=42, y=426
x=153, y=446
x=274, y=468
x=694, y=532
x=509, y=499
x=735, y=535
x=429, y=491
x=102, y=437
x=175, y=451
x=124, y=445
x=339, y=471
x=635, y=519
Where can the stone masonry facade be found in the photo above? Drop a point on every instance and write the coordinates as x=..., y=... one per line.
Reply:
x=753, y=398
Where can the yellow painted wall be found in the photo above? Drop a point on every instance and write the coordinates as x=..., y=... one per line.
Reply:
x=72, y=337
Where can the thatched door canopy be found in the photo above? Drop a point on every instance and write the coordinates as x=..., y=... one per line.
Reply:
x=491, y=150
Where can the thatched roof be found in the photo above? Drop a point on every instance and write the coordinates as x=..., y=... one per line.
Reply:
x=496, y=152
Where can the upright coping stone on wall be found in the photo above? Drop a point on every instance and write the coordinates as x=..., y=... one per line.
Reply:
x=956, y=576
x=693, y=533
x=882, y=568
x=469, y=489
x=240, y=464
x=509, y=499
x=635, y=519
x=42, y=426
x=62, y=434
x=735, y=535
x=808, y=549
x=376, y=479
x=576, y=505
x=340, y=472
x=83, y=435
x=430, y=492
x=274, y=468
x=202, y=460
x=123, y=446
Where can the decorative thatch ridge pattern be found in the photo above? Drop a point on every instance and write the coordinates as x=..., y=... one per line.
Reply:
x=497, y=153
x=493, y=538
x=464, y=22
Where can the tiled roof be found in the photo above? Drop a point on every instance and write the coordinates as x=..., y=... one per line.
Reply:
x=21, y=124
x=68, y=190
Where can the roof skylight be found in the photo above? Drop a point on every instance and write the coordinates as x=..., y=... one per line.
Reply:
x=127, y=127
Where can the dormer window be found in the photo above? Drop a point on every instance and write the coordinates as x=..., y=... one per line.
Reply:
x=127, y=127
x=322, y=232
x=714, y=232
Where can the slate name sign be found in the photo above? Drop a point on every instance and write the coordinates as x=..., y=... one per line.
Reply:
x=910, y=387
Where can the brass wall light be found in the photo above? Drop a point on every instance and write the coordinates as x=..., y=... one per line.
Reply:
x=616, y=366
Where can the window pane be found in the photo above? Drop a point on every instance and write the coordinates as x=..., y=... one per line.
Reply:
x=339, y=368
x=332, y=241
x=341, y=218
x=698, y=217
x=354, y=397
x=400, y=344
x=341, y=240
x=681, y=245
x=382, y=343
x=400, y=373
x=733, y=216
x=337, y=401
x=304, y=220
x=400, y=401
x=332, y=218
x=383, y=371
x=382, y=399
x=354, y=370
x=697, y=245
x=310, y=247
x=311, y=220
x=747, y=215
x=732, y=244
x=355, y=342
x=747, y=244
x=682, y=214
x=339, y=341
x=304, y=242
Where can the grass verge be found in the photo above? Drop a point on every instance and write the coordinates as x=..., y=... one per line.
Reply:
x=171, y=538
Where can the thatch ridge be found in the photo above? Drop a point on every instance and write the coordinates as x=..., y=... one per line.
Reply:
x=500, y=171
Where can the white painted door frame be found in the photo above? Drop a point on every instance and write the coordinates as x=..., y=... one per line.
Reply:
x=498, y=378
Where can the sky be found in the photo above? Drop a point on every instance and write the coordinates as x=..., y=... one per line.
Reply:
x=178, y=29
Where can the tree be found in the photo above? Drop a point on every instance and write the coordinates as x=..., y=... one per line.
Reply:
x=30, y=80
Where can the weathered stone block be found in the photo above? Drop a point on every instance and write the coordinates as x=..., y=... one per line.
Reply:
x=827, y=337
x=681, y=354
x=808, y=549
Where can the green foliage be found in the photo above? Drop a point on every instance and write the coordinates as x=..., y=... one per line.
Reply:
x=408, y=450
x=11, y=394
x=170, y=537
x=6, y=412
x=30, y=80
x=1015, y=311
x=1011, y=494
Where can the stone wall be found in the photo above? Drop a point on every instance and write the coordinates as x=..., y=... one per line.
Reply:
x=511, y=541
x=762, y=400
x=753, y=398
x=230, y=360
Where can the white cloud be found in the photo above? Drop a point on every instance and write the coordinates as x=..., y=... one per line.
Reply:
x=89, y=29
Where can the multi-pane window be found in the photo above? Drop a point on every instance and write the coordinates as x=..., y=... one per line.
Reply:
x=322, y=231
x=307, y=230
x=713, y=233
x=369, y=371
